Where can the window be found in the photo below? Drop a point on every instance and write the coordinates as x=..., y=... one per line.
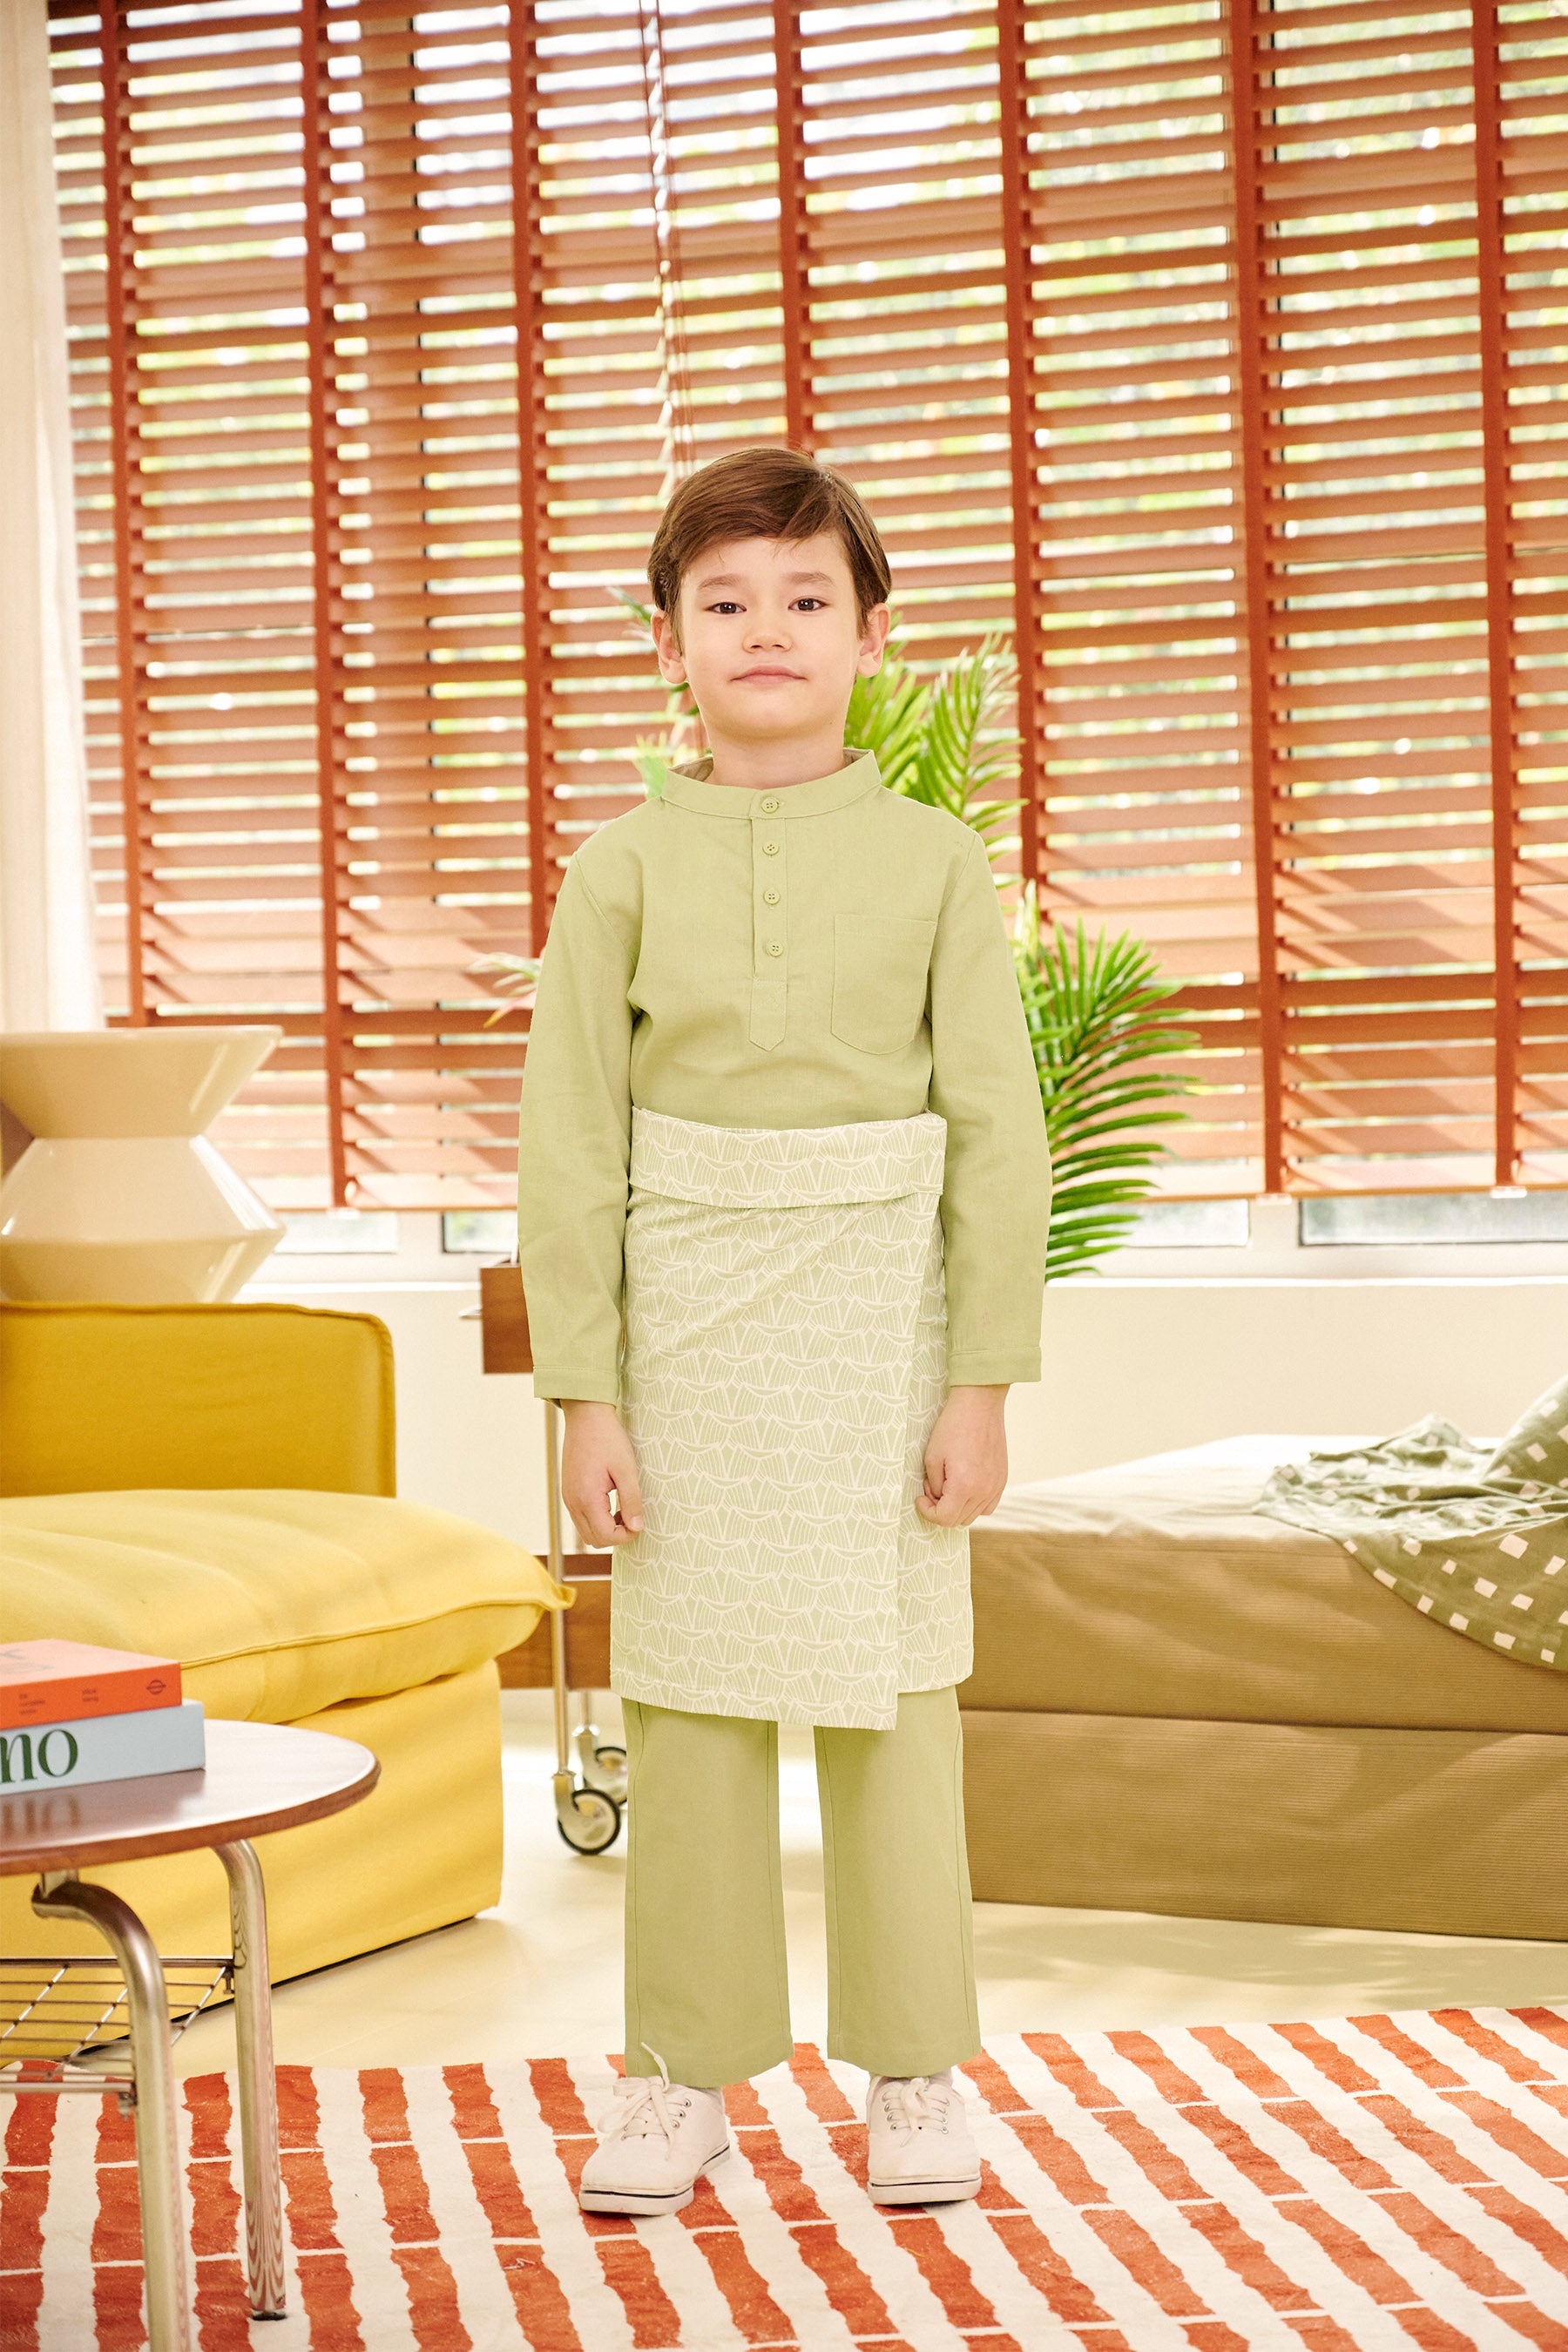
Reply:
x=1428, y=1217
x=1219, y=352
x=480, y=1233
x=339, y=1233
x=1191, y=1224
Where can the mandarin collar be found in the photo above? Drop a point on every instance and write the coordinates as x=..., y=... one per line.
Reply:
x=688, y=788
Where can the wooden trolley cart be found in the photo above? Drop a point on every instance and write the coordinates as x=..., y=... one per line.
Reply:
x=572, y=1652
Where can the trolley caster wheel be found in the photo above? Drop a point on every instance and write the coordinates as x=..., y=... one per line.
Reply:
x=590, y=1822
x=611, y=1763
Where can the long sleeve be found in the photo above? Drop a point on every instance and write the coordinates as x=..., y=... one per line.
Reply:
x=996, y=1199
x=576, y=1150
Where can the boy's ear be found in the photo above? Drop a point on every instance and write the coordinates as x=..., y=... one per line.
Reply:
x=667, y=644
x=874, y=640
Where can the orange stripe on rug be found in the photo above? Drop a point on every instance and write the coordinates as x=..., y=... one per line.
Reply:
x=849, y=2290
x=24, y=2195
x=427, y=2279
x=626, y=2263
x=756, y=2316
x=216, y=2217
x=116, y=2244
x=1442, y=2156
x=326, y=2288
x=949, y=2278
x=543, y=2311
x=1122, y=2233
x=1436, y=2238
x=1504, y=2126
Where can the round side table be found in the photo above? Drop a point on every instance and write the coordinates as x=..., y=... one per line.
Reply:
x=259, y=1777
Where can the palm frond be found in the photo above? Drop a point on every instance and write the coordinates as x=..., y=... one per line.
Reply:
x=1095, y=1013
x=969, y=760
x=642, y=613
x=888, y=716
x=651, y=761
x=950, y=740
x=516, y=977
x=655, y=759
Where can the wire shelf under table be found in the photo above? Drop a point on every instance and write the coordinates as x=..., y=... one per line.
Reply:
x=54, y=2013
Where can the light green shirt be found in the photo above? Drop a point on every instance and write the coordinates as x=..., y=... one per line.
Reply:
x=809, y=956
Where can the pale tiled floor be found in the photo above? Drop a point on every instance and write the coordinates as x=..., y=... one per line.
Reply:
x=540, y=1976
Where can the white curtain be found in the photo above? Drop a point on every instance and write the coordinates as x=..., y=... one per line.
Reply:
x=48, y=975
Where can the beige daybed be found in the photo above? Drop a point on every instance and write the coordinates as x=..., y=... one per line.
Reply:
x=1179, y=1705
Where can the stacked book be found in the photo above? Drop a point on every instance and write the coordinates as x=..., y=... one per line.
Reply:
x=70, y=1714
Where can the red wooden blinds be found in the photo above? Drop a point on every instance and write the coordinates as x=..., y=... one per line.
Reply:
x=1222, y=353
x=1296, y=361
x=1132, y=571
x=300, y=460
x=1411, y=178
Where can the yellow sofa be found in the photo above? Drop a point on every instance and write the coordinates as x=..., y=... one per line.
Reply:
x=216, y=1484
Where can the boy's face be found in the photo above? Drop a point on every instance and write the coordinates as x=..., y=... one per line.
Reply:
x=768, y=638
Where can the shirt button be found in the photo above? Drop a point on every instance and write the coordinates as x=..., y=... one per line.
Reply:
x=770, y=849
x=774, y=948
x=770, y=897
x=770, y=807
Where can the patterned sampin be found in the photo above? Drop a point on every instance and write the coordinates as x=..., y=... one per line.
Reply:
x=786, y=1347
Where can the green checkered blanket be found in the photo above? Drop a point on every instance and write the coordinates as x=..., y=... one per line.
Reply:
x=1475, y=1539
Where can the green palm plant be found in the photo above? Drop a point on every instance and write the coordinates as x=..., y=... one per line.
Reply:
x=654, y=756
x=1094, y=1009
x=1092, y=1003
x=948, y=741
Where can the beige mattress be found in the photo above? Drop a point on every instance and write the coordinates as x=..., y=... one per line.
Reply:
x=1154, y=1588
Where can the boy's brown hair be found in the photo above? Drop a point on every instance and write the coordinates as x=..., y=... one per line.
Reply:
x=766, y=493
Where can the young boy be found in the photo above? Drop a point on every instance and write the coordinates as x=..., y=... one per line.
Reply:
x=783, y=1199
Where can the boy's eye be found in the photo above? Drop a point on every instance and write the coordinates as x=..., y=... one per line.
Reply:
x=725, y=605
x=809, y=604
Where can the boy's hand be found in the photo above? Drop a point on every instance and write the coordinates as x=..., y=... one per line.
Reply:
x=596, y=1461
x=965, y=1458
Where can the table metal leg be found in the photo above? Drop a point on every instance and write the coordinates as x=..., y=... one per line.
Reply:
x=258, y=2081
x=165, y=2251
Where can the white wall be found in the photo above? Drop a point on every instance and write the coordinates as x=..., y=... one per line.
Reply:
x=1173, y=1348
x=1141, y=1366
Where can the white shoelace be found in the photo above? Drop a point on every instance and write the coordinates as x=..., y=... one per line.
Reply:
x=916, y=2102
x=643, y=2111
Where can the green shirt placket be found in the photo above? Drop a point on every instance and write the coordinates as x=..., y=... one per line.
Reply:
x=770, y=923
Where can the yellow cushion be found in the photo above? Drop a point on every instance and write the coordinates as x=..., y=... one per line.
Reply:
x=265, y=1395
x=278, y=1601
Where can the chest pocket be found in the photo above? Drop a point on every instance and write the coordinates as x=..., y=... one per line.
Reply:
x=880, y=967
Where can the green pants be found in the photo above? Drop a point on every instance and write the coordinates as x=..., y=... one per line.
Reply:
x=705, y=1982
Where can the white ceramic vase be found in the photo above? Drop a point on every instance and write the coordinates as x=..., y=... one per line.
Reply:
x=120, y=1196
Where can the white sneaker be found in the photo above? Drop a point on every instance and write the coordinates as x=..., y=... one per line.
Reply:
x=655, y=2144
x=922, y=2153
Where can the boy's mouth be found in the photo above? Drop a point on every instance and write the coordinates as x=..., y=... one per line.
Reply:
x=763, y=673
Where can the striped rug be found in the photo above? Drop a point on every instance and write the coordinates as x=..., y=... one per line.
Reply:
x=1370, y=2183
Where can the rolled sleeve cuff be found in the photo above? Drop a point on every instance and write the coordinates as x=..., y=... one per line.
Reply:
x=576, y=1384
x=968, y=1368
